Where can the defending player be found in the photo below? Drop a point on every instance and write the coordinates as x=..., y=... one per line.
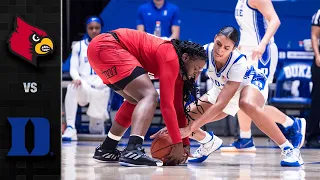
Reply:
x=122, y=58
x=258, y=23
x=236, y=86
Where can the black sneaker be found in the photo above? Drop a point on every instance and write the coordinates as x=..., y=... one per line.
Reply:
x=137, y=157
x=102, y=155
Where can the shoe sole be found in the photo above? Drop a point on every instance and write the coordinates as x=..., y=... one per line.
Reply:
x=234, y=149
x=135, y=165
x=72, y=138
x=303, y=131
x=286, y=164
x=101, y=161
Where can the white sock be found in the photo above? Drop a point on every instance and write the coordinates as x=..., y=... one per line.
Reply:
x=142, y=137
x=289, y=122
x=286, y=144
x=245, y=134
x=114, y=137
x=206, y=139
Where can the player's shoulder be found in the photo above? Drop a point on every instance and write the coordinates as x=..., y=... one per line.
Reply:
x=239, y=58
x=208, y=47
x=145, y=7
x=172, y=6
x=167, y=51
x=76, y=45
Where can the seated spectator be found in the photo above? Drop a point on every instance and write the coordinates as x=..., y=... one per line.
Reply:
x=163, y=13
x=86, y=87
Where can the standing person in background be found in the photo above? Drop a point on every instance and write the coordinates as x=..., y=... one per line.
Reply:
x=159, y=18
x=313, y=133
x=86, y=87
x=258, y=23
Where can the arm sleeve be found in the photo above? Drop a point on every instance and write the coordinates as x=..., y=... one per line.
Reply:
x=238, y=70
x=176, y=21
x=168, y=72
x=74, y=62
x=316, y=19
x=140, y=17
x=178, y=105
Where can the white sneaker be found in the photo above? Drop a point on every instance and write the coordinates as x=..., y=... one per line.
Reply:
x=291, y=157
x=70, y=134
x=203, y=152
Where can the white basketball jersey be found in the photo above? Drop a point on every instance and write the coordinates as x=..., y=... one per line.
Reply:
x=80, y=66
x=234, y=69
x=252, y=24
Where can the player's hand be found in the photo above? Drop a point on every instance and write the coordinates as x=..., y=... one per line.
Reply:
x=186, y=153
x=76, y=83
x=318, y=60
x=176, y=156
x=160, y=132
x=258, y=51
x=185, y=132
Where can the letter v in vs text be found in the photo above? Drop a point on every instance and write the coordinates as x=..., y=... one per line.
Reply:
x=30, y=87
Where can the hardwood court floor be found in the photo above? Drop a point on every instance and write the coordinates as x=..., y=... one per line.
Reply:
x=77, y=164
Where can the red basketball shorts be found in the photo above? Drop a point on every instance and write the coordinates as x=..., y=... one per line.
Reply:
x=113, y=64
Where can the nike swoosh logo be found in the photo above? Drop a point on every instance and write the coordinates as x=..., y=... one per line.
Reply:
x=242, y=146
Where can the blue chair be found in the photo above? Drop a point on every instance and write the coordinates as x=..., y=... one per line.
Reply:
x=293, y=86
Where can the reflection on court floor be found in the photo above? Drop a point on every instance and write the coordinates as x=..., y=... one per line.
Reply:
x=77, y=164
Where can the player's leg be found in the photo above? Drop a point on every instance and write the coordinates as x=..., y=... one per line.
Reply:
x=293, y=128
x=99, y=99
x=251, y=102
x=107, y=151
x=207, y=140
x=244, y=143
x=71, y=106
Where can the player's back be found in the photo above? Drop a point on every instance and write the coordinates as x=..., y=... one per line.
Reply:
x=252, y=24
x=142, y=45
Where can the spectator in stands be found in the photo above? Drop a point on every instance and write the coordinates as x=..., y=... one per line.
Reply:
x=86, y=87
x=313, y=129
x=162, y=12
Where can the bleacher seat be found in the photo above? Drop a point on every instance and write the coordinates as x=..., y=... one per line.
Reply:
x=293, y=86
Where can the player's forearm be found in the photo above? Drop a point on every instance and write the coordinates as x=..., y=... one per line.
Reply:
x=171, y=122
x=207, y=117
x=271, y=30
x=75, y=74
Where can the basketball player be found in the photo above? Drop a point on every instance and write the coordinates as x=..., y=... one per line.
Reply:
x=236, y=86
x=86, y=87
x=258, y=23
x=121, y=58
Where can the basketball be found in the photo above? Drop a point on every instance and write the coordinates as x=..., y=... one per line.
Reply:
x=161, y=146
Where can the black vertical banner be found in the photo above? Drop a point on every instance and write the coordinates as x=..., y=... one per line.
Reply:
x=30, y=89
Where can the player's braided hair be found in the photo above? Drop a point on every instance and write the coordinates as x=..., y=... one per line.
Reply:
x=190, y=90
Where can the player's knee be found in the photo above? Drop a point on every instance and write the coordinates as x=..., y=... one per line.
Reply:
x=246, y=106
x=153, y=96
x=131, y=101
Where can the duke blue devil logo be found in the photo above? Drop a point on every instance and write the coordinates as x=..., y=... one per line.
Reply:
x=41, y=136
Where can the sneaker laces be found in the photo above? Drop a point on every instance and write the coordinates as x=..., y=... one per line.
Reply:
x=200, y=150
x=287, y=152
x=117, y=153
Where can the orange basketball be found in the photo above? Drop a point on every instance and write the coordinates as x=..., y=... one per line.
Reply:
x=161, y=146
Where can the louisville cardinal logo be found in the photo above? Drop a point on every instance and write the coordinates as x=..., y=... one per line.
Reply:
x=29, y=42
